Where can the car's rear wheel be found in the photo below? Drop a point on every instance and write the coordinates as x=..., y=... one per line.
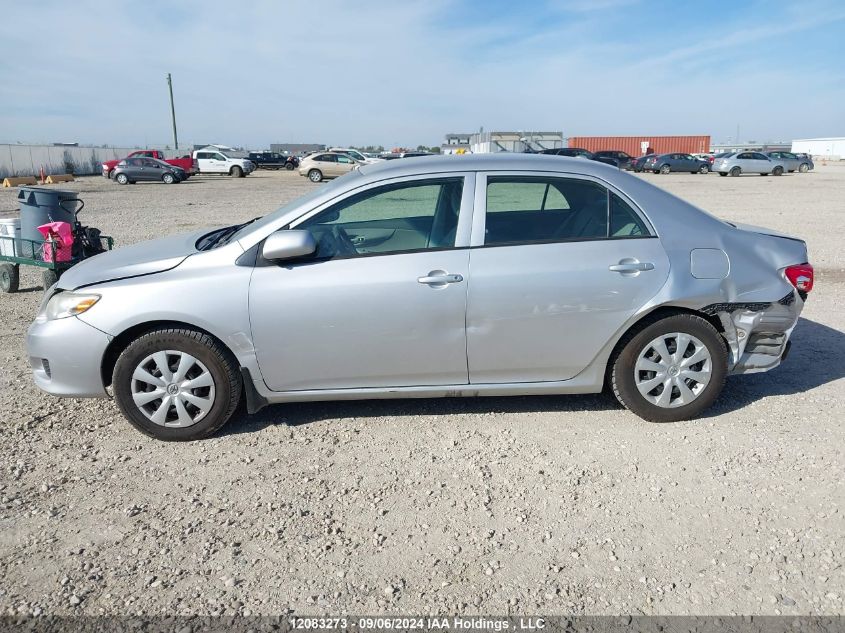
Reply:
x=122, y=179
x=803, y=168
x=777, y=171
x=665, y=169
x=672, y=369
x=168, y=179
x=315, y=175
x=721, y=173
x=735, y=171
x=237, y=172
x=176, y=384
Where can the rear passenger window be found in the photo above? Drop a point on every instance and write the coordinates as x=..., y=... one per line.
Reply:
x=523, y=210
x=535, y=209
x=624, y=221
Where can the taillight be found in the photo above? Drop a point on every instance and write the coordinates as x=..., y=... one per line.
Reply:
x=800, y=276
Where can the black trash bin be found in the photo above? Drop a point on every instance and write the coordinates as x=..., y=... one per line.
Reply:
x=40, y=205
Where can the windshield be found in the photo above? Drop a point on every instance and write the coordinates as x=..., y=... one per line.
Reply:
x=355, y=155
x=293, y=204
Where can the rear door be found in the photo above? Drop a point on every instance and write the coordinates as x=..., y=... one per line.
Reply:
x=344, y=165
x=551, y=279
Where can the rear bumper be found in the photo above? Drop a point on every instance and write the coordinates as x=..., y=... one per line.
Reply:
x=758, y=334
x=65, y=356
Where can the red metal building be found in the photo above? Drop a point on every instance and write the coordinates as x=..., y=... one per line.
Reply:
x=633, y=144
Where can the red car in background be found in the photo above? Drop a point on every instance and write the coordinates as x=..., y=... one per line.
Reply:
x=188, y=164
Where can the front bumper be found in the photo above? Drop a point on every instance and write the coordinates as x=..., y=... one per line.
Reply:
x=66, y=356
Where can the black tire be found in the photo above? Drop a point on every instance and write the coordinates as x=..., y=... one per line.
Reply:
x=10, y=277
x=169, y=179
x=289, y=166
x=777, y=171
x=704, y=169
x=804, y=168
x=622, y=376
x=315, y=175
x=735, y=171
x=220, y=363
x=665, y=169
x=48, y=278
x=236, y=172
x=721, y=173
x=122, y=179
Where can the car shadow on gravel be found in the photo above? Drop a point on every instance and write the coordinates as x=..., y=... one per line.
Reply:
x=815, y=360
x=297, y=414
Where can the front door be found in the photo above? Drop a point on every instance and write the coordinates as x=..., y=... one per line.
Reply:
x=554, y=280
x=383, y=300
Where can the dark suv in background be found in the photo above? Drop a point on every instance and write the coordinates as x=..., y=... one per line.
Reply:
x=575, y=152
x=272, y=160
x=623, y=159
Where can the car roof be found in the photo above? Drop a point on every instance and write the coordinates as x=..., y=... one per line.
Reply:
x=504, y=161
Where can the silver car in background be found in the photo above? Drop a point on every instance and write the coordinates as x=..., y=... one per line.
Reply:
x=739, y=163
x=429, y=277
x=793, y=162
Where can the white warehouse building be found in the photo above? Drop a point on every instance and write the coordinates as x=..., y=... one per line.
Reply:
x=832, y=148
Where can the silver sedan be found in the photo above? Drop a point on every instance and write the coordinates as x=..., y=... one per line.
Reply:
x=740, y=163
x=429, y=277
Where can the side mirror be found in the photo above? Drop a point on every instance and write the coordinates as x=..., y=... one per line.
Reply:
x=288, y=245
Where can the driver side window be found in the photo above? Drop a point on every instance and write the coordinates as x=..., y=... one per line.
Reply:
x=408, y=216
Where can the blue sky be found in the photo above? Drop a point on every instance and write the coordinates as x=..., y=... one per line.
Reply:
x=404, y=73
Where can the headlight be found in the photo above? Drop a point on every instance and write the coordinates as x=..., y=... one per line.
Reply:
x=67, y=304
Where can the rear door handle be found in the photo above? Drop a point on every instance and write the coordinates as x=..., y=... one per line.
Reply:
x=437, y=278
x=632, y=267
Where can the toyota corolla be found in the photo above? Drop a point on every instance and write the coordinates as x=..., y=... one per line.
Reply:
x=429, y=277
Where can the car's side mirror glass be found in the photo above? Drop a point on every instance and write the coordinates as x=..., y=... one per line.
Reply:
x=289, y=244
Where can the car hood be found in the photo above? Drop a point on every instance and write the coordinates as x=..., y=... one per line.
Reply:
x=144, y=258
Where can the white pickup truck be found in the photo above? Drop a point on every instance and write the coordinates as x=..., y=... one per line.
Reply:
x=214, y=160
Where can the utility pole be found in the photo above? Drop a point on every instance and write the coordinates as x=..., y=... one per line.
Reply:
x=172, y=112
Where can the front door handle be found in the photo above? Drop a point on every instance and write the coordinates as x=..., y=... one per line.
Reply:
x=440, y=278
x=631, y=267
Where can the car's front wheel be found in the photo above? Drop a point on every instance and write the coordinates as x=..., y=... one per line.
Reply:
x=168, y=179
x=804, y=168
x=237, y=172
x=704, y=169
x=672, y=369
x=176, y=384
x=665, y=169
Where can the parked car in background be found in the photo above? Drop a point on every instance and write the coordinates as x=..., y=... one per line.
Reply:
x=623, y=159
x=211, y=160
x=793, y=162
x=638, y=164
x=273, y=160
x=359, y=290
x=187, y=164
x=704, y=156
x=577, y=152
x=132, y=170
x=676, y=162
x=323, y=165
x=354, y=153
x=737, y=163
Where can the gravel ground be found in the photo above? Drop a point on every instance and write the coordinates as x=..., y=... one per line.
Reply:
x=532, y=504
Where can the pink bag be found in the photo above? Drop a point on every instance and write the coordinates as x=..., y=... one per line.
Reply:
x=58, y=246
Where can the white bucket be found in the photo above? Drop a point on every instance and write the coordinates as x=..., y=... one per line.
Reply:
x=10, y=233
